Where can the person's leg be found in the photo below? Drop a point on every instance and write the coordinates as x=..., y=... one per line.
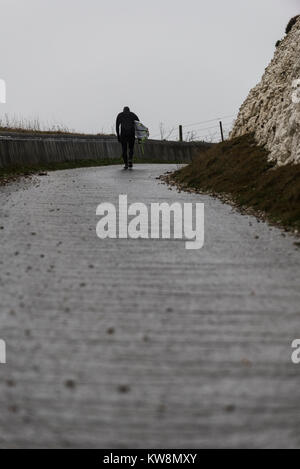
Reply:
x=131, y=149
x=124, y=151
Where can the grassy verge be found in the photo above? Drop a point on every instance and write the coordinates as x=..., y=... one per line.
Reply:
x=238, y=172
x=14, y=173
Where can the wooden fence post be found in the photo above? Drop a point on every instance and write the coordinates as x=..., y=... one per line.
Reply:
x=221, y=129
x=180, y=133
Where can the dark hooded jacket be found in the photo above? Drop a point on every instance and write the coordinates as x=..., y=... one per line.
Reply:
x=125, y=120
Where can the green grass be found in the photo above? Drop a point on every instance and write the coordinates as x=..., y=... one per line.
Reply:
x=62, y=131
x=238, y=169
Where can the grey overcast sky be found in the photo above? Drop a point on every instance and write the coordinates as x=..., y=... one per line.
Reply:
x=78, y=62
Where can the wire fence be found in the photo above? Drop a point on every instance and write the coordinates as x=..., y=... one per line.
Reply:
x=198, y=131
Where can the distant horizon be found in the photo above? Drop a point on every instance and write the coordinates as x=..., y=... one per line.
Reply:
x=77, y=64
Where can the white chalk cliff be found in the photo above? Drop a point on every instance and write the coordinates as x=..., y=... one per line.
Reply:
x=272, y=108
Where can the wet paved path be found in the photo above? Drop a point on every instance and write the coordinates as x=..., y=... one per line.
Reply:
x=124, y=343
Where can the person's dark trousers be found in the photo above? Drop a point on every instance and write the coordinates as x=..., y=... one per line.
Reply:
x=127, y=141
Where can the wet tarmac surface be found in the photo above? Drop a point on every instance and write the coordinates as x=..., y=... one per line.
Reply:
x=123, y=343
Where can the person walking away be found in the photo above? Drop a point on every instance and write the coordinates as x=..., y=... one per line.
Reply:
x=126, y=137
